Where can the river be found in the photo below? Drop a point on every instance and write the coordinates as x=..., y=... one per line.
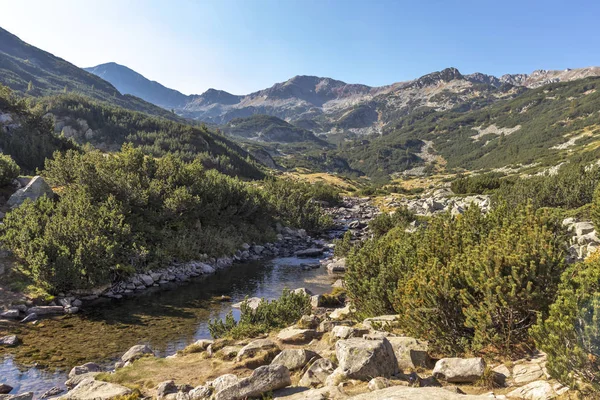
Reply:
x=167, y=320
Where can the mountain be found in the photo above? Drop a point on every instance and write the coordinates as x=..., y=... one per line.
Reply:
x=33, y=72
x=127, y=81
x=265, y=128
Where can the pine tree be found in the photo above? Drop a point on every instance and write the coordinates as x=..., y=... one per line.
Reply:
x=30, y=86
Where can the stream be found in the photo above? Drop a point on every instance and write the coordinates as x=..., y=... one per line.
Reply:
x=167, y=320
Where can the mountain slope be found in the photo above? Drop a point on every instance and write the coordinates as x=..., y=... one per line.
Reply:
x=269, y=129
x=127, y=81
x=34, y=73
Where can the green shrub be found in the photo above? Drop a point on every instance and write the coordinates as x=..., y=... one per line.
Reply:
x=384, y=222
x=269, y=315
x=462, y=283
x=9, y=170
x=479, y=184
x=343, y=245
x=570, y=335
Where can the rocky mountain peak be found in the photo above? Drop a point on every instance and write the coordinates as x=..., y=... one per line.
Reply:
x=445, y=75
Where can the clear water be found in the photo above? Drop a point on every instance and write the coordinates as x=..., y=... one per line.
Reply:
x=167, y=320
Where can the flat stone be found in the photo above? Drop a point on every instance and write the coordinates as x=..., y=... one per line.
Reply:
x=340, y=313
x=54, y=391
x=46, y=310
x=263, y=379
x=311, y=252
x=459, y=370
x=77, y=379
x=537, y=390
x=10, y=340
x=10, y=314
x=527, y=372
x=84, y=369
x=414, y=393
x=296, y=335
x=91, y=389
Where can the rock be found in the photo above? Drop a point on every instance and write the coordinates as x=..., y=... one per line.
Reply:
x=527, y=372
x=538, y=390
x=501, y=374
x=84, y=369
x=308, y=322
x=77, y=379
x=303, y=291
x=294, y=359
x=301, y=393
x=338, y=265
x=378, y=383
x=346, y=332
x=338, y=284
x=203, y=343
x=72, y=310
x=264, y=379
x=252, y=349
x=317, y=373
x=410, y=352
x=10, y=314
x=581, y=228
x=366, y=359
x=228, y=352
x=46, y=310
x=317, y=301
x=258, y=249
x=224, y=381
x=136, y=352
x=200, y=393
x=296, y=335
x=91, y=389
x=55, y=391
x=10, y=340
x=340, y=313
x=35, y=189
x=380, y=322
x=459, y=370
x=311, y=252
x=30, y=317
x=146, y=279
x=414, y=393
x=165, y=388
x=5, y=389
x=253, y=303
x=20, y=396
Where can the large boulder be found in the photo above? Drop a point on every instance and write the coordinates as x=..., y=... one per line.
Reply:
x=459, y=370
x=77, y=379
x=20, y=396
x=414, y=393
x=224, y=381
x=366, y=359
x=91, y=389
x=134, y=353
x=317, y=373
x=264, y=379
x=410, y=352
x=537, y=390
x=35, y=189
x=294, y=359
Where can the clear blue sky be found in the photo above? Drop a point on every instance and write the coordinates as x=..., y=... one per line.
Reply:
x=246, y=45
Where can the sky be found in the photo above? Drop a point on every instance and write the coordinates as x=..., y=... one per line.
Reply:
x=243, y=46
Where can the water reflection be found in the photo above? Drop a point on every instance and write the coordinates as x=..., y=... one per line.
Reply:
x=167, y=320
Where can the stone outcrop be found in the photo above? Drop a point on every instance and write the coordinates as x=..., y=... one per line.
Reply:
x=35, y=189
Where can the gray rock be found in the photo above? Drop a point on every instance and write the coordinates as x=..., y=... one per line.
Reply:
x=537, y=390
x=459, y=370
x=91, y=389
x=5, y=389
x=582, y=228
x=20, y=396
x=165, y=388
x=54, y=391
x=414, y=393
x=340, y=313
x=84, y=369
x=136, y=352
x=527, y=372
x=10, y=314
x=317, y=373
x=146, y=280
x=10, y=340
x=296, y=335
x=264, y=379
x=30, y=317
x=77, y=379
x=338, y=265
x=382, y=321
x=46, y=310
x=312, y=252
x=35, y=189
x=294, y=359
x=224, y=381
x=378, y=384
x=258, y=346
x=253, y=303
x=410, y=352
x=200, y=393
x=366, y=359
x=346, y=332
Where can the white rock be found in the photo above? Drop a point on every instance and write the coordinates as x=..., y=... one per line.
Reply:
x=459, y=370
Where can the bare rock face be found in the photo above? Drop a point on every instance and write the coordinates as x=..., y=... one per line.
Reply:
x=35, y=189
x=264, y=379
x=459, y=370
x=366, y=359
